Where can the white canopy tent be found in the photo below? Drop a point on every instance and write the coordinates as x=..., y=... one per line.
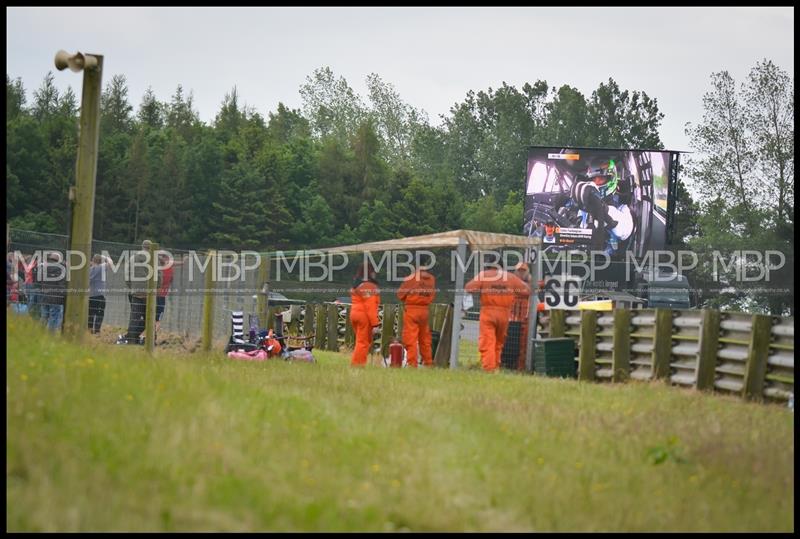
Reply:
x=474, y=239
x=461, y=239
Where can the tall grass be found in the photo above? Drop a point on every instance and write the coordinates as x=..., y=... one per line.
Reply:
x=103, y=437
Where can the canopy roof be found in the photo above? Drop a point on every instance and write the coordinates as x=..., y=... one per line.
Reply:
x=474, y=239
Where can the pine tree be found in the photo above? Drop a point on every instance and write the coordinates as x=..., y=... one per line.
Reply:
x=151, y=110
x=115, y=110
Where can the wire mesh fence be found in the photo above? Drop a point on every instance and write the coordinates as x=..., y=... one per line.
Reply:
x=309, y=280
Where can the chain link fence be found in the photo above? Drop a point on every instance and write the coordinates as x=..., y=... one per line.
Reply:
x=297, y=278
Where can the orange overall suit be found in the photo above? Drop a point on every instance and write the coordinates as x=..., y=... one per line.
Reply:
x=497, y=290
x=365, y=299
x=417, y=292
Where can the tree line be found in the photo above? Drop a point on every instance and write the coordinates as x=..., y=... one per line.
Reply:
x=347, y=168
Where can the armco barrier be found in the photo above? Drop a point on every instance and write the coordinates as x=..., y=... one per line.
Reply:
x=736, y=353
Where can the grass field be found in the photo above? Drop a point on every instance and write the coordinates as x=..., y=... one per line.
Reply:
x=102, y=437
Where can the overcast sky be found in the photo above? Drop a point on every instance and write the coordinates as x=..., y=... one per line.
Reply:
x=432, y=56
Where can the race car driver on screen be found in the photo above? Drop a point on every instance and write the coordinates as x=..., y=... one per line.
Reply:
x=599, y=198
x=600, y=195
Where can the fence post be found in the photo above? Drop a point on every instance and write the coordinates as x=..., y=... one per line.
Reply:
x=294, y=325
x=621, y=351
x=349, y=333
x=588, y=345
x=263, y=290
x=208, y=302
x=310, y=320
x=757, y=352
x=387, y=329
x=321, y=327
x=708, y=347
x=150, y=304
x=442, y=352
x=557, y=323
x=333, y=328
x=662, y=344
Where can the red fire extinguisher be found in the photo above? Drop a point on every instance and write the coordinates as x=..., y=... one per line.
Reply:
x=396, y=354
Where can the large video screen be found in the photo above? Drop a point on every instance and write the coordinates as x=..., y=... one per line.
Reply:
x=597, y=199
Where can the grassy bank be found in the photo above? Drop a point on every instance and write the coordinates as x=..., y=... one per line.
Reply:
x=102, y=437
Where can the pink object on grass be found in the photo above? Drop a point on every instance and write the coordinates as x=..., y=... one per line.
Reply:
x=255, y=355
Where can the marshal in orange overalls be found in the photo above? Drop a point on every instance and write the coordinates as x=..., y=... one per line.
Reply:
x=417, y=292
x=497, y=290
x=365, y=299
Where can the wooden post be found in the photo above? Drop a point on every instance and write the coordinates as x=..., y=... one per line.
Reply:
x=310, y=321
x=442, y=352
x=662, y=344
x=208, y=302
x=321, y=327
x=349, y=332
x=387, y=329
x=757, y=353
x=263, y=290
x=150, y=304
x=294, y=325
x=272, y=314
x=432, y=311
x=333, y=328
x=76, y=310
x=621, y=352
x=557, y=323
x=708, y=347
x=588, y=345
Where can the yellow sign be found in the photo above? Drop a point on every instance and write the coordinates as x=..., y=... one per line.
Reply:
x=598, y=305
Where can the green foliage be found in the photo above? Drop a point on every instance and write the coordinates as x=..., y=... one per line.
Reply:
x=670, y=451
x=45, y=98
x=151, y=111
x=115, y=110
x=347, y=168
x=621, y=119
x=15, y=98
x=397, y=122
x=481, y=215
x=417, y=209
x=745, y=174
x=375, y=222
x=39, y=221
x=331, y=105
x=317, y=227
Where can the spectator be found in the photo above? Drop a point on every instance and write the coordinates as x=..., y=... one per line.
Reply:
x=145, y=249
x=52, y=279
x=166, y=281
x=15, y=277
x=29, y=286
x=136, y=273
x=97, y=291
